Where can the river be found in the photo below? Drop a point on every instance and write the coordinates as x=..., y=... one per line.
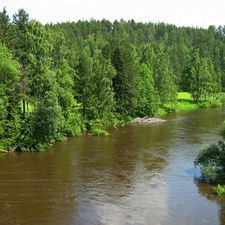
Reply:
x=139, y=175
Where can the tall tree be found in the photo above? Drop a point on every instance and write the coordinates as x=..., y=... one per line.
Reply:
x=126, y=63
x=4, y=26
x=9, y=99
x=20, y=48
x=198, y=77
x=164, y=77
x=65, y=76
x=94, y=82
x=147, y=100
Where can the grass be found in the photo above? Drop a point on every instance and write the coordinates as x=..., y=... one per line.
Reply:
x=184, y=96
x=184, y=103
x=186, y=106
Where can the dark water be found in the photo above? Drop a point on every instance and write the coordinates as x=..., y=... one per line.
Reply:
x=138, y=175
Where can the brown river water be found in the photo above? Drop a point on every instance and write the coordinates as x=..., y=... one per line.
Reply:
x=138, y=175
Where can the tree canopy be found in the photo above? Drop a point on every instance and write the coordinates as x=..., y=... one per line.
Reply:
x=61, y=79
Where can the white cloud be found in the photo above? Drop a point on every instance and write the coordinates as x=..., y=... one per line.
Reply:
x=188, y=13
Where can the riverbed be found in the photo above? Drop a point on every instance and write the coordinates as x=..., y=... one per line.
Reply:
x=139, y=175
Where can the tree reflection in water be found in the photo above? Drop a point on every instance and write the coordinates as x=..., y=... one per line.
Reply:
x=206, y=190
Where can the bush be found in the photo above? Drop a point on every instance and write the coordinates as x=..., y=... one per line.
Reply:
x=219, y=189
x=211, y=160
x=170, y=107
x=210, y=104
x=96, y=131
x=96, y=128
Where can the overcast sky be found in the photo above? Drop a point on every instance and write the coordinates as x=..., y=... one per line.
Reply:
x=197, y=13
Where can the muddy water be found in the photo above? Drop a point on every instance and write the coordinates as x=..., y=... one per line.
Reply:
x=138, y=175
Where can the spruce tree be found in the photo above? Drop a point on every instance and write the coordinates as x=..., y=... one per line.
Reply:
x=164, y=77
x=94, y=83
x=126, y=63
x=147, y=100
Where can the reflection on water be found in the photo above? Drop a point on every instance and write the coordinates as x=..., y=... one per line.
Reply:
x=137, y=175
x=207, y=191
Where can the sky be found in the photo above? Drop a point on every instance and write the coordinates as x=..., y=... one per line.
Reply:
x=194, y=13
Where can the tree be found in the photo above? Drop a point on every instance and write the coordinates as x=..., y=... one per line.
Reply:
x=147, y=100
x=126, y=63
x=10, y=122
x=20, y=19
x=41, y=77
x=65, y=76
x=199, y=77
x=164, y=77
x=20, y=48
x=211, y=160
x=4, y=26
x=94, y=83
x=46, y=122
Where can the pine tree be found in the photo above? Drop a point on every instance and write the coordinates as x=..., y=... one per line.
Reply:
x=126, y=63
x=4, y=27
x=147, y=101
x=164, y=78
x=94, y=83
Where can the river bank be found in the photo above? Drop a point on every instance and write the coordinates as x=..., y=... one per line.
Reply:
x=184, y=103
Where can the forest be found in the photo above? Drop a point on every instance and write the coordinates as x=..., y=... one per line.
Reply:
x=60, y=80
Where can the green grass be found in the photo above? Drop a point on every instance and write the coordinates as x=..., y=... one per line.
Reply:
x=184, y=103
x=186, y=106
x=184, y=96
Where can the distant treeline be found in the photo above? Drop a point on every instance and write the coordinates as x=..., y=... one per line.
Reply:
x=58, y=80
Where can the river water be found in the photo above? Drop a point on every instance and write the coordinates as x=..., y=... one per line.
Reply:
x=137, y=175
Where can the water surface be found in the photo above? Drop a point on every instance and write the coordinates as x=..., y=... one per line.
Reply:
x=137, y=175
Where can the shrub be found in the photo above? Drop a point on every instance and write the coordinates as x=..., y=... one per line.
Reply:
x=96, y=128
x=99, y=132
x=219, y=189
x=210, y=104
x=211, y=160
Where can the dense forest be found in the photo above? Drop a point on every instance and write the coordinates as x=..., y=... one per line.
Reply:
x=59, y=80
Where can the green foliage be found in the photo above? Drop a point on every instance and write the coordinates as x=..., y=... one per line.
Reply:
x=4, y=26
x=59, y=80
x=96, y=128
x=184, y=96
x=9, y=99
x=219, y=189
x=96, y=131
x=164, y=78
x=147, y=101
x=183, y=106
x=65, y=88
x=47, y=121
x=94, y=83
x=211, y=103
x=211, y=160
x=200, y=77
x=125, y=61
